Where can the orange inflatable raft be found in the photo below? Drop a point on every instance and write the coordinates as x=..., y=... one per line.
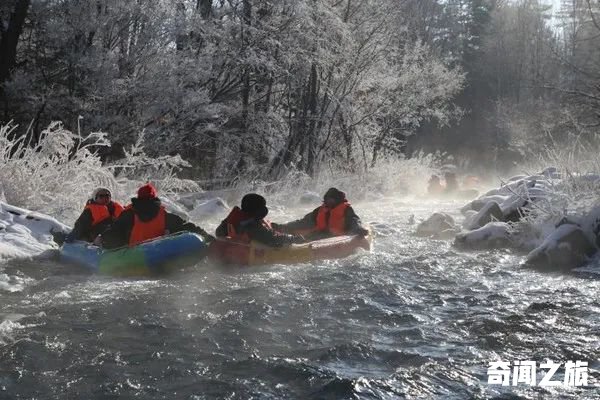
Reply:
x=229, y=251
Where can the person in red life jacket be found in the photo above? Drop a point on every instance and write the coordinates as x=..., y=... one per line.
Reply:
x=99, y=213
x=249, y=223
x=146, y=218
x=334, y=217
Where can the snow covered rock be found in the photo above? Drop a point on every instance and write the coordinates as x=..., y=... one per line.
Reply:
x=490, y=212
x=438, y=226
x=24, y=233
x=495, y=207
x=514, y=208
x=566, y=248
x=469, y=217
x=210, y=208
x=175, y=208
x=189, y=200
x=310, y=198
x=478, y=204
x=517, y=178
x=517, y=186
x=492, y=235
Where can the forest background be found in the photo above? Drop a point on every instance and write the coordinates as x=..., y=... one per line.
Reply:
x=259, y=88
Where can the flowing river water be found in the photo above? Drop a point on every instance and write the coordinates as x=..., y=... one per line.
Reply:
x=415, y=318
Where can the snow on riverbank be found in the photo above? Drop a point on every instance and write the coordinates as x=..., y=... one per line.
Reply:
x=24, y=233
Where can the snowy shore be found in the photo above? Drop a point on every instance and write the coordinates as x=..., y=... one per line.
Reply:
x=24, y=233
x=551, y=217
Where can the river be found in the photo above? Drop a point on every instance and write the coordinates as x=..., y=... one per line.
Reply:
x=415, y=318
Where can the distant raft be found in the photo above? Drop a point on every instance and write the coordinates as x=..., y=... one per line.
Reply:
x=153, y=257
x=229, y=251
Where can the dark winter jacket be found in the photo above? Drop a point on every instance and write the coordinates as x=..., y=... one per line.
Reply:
x=246, y=225
x=146, y=209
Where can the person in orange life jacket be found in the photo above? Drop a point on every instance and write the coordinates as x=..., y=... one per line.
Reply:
x=248, y=223
x=146, y=218
x=333, y=218
x=99, y=213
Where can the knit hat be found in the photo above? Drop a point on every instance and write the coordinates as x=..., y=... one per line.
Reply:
x=335, y=194
x=147, y=192
x=254, y=204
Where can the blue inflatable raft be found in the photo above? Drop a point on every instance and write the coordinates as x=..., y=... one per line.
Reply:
x=153, y=257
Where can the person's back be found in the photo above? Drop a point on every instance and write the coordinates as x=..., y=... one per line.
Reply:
x=149, y=220
x=145, y=219
x=248, y=223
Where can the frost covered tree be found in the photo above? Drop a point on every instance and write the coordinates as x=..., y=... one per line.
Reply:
x=530, y=77
x=250, y=87
x=580, y=57
x=12, y=20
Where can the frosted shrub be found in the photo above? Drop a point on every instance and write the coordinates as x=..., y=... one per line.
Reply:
x=390, y=177
x=57, y=175
x=137, y=168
